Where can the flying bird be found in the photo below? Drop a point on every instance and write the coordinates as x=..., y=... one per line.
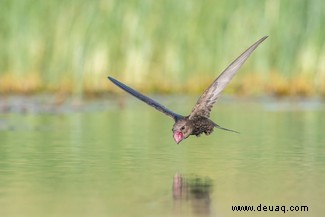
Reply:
x=198, y=121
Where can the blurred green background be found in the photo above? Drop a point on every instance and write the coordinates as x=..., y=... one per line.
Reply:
x=162, y=46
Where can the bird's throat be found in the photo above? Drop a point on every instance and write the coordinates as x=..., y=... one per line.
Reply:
x=178, y=136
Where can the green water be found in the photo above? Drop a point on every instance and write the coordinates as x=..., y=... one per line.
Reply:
x=120, y=160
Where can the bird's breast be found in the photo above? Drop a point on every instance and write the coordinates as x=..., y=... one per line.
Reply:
x=202, y=125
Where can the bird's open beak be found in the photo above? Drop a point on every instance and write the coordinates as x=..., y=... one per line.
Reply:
x=178, y=136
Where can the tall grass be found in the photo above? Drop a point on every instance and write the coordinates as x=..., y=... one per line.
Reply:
x=162, y=45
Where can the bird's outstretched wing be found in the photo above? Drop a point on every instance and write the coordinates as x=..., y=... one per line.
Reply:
x=209, y=97
x=146, y=99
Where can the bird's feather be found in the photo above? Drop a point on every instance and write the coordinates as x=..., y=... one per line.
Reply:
x=211, y=94
x=146, y=99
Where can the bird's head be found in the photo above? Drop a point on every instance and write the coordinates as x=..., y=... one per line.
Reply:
x=181, y=130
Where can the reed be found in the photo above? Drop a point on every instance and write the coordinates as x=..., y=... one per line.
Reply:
x=161, y=46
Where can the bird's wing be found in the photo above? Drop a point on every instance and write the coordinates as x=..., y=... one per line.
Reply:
x=209, y=97
x=146, y=99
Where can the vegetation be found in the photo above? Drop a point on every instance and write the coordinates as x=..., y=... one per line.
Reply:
x=161, y=46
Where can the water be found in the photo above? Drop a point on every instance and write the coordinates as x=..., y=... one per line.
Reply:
x=119, y=159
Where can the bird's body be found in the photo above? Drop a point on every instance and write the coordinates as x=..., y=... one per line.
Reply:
x=197, y=125
x=198, y=121
x=201, y=125
x=194, y=126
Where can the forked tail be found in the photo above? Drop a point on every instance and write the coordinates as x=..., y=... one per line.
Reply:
x=219, y=127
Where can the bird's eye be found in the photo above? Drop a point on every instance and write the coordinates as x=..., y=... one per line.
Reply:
x=182, y=128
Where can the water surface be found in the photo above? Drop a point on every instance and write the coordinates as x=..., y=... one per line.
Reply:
x=119, y=159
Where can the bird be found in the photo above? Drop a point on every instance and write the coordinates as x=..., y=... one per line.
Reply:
x=198, y=121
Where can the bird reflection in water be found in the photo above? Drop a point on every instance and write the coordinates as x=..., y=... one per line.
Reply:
x=192, y=193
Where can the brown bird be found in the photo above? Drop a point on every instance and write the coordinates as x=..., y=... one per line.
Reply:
x=198, y=121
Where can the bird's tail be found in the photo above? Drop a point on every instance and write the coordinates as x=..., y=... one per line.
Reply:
x=219, y=127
